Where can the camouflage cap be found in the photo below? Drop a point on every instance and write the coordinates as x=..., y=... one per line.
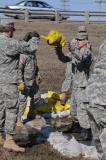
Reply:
x=82, y=29
x=7, y=24
x=82, y=36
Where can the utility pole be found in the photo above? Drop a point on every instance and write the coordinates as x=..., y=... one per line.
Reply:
x=65, y=4
x=100, y=2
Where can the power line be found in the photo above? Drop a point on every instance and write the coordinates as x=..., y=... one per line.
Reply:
x=100, y=2
x=65, y=4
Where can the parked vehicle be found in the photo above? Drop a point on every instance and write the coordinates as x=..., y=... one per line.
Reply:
x=43, y=9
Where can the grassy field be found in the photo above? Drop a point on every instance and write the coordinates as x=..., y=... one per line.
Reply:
x=53, y=72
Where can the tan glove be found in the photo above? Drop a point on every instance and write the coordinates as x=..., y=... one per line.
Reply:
x=39, y=78
x=21, y=86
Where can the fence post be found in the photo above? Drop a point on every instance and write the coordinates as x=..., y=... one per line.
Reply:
x=57, y=16
x=26, y=15
x=87, y=17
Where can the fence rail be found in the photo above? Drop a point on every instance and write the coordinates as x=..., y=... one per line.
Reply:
x=58, y=15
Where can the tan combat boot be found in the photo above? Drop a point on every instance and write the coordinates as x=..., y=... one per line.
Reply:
x=10, y=144
x=1, y=139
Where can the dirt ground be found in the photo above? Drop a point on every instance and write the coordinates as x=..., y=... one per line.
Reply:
x=53, y=72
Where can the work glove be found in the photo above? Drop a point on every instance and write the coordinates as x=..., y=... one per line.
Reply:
x=58, y=49
x=39, y=78
x=21, y=86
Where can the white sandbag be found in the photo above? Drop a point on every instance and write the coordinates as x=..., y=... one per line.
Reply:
x=58, y=114
x=89, y=152
x=71, y=148
x=67, y=148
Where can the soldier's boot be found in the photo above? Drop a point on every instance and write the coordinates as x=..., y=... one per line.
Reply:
x=10, y=144
x=1, y=139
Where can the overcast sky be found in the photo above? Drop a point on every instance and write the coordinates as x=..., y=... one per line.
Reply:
x=72, y=5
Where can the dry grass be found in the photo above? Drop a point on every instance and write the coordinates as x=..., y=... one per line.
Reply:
x=53, y=73
x=51, y=68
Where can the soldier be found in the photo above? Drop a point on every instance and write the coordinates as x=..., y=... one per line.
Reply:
x=10, y=50
x=96, y=92
x=29, y=71
x=77, y=75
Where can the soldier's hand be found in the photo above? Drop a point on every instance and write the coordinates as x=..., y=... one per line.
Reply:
x=21, y=86
x=39, y=78
x=58, y=49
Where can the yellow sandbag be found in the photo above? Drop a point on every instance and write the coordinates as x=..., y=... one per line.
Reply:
x=53, y=107
x=55, y=37
x=53, y=95
x=63, y=41
x=27, y=108
x=59, y=107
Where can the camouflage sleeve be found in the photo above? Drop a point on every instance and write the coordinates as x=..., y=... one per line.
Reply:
x=22, y=62
x=61, y=56
x=101, y=48
x=67, y=83
x=21, y=47
x=86, y=57
x=76, y=54
x=29, y=47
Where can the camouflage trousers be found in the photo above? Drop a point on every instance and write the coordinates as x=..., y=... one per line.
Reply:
x=33, y=92
x=78, y=107
x=8, y=107
x=97, y=119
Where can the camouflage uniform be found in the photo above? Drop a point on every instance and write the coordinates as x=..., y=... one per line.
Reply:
x=10, y=50
x=28, y=72
x=67, y=83
x=77, y=74
x=96, y=92
x=76, y=77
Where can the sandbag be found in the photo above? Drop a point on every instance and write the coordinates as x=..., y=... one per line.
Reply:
x=55, y=37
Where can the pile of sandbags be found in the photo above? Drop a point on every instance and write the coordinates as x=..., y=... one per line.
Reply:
x=50, y=107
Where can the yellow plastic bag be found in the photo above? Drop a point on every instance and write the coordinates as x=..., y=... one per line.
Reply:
x=55, y=37
x=59, y=107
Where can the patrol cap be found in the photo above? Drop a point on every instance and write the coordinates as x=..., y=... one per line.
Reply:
x=82, y=29
x=7, y=25
x=82, y=36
